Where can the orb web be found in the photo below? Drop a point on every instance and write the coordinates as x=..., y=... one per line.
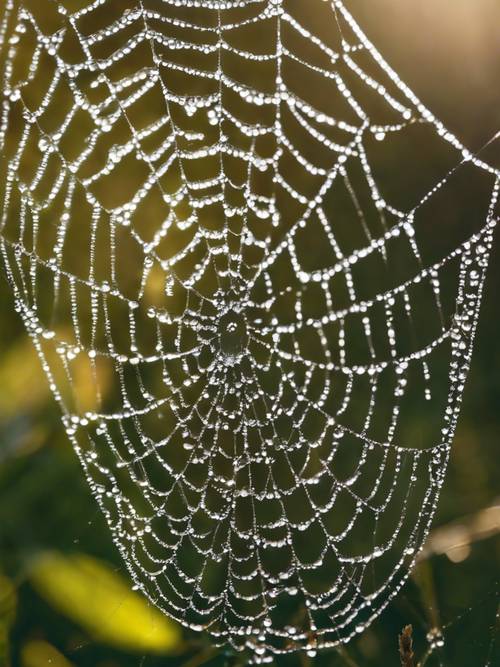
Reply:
x=254, y=300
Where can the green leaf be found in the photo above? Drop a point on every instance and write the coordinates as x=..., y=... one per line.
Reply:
x=40, y=654
x=102, y=602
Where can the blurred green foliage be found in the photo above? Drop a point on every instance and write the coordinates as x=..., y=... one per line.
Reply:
x=98, y=599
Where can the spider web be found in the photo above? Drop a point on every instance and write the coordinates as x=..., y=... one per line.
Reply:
x=241, y=316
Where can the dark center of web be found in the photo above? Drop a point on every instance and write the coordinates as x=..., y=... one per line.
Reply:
x=233, y=336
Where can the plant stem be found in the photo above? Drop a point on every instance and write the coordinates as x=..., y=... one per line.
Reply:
x=406, y=647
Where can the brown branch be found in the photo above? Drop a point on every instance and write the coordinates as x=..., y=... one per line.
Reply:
x=406, y=647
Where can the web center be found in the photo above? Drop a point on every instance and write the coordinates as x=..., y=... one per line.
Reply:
x=233, y=335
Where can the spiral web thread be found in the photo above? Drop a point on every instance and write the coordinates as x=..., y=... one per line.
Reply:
x=198, y=222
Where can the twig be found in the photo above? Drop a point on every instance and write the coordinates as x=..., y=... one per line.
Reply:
x=201, y=658
x=350, y=662
x=406, y=647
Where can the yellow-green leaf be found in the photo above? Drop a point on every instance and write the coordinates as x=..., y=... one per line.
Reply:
x=20, y=369
x=8, y=601
x=40, y=654
x=102, y=602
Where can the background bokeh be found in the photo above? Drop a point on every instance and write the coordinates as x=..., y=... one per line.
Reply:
x=64, y=596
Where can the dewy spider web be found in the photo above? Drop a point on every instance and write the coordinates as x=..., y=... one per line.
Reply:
x=248, y=297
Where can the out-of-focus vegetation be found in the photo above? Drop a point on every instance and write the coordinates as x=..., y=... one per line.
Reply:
x=90, y=593
x=65, y=598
